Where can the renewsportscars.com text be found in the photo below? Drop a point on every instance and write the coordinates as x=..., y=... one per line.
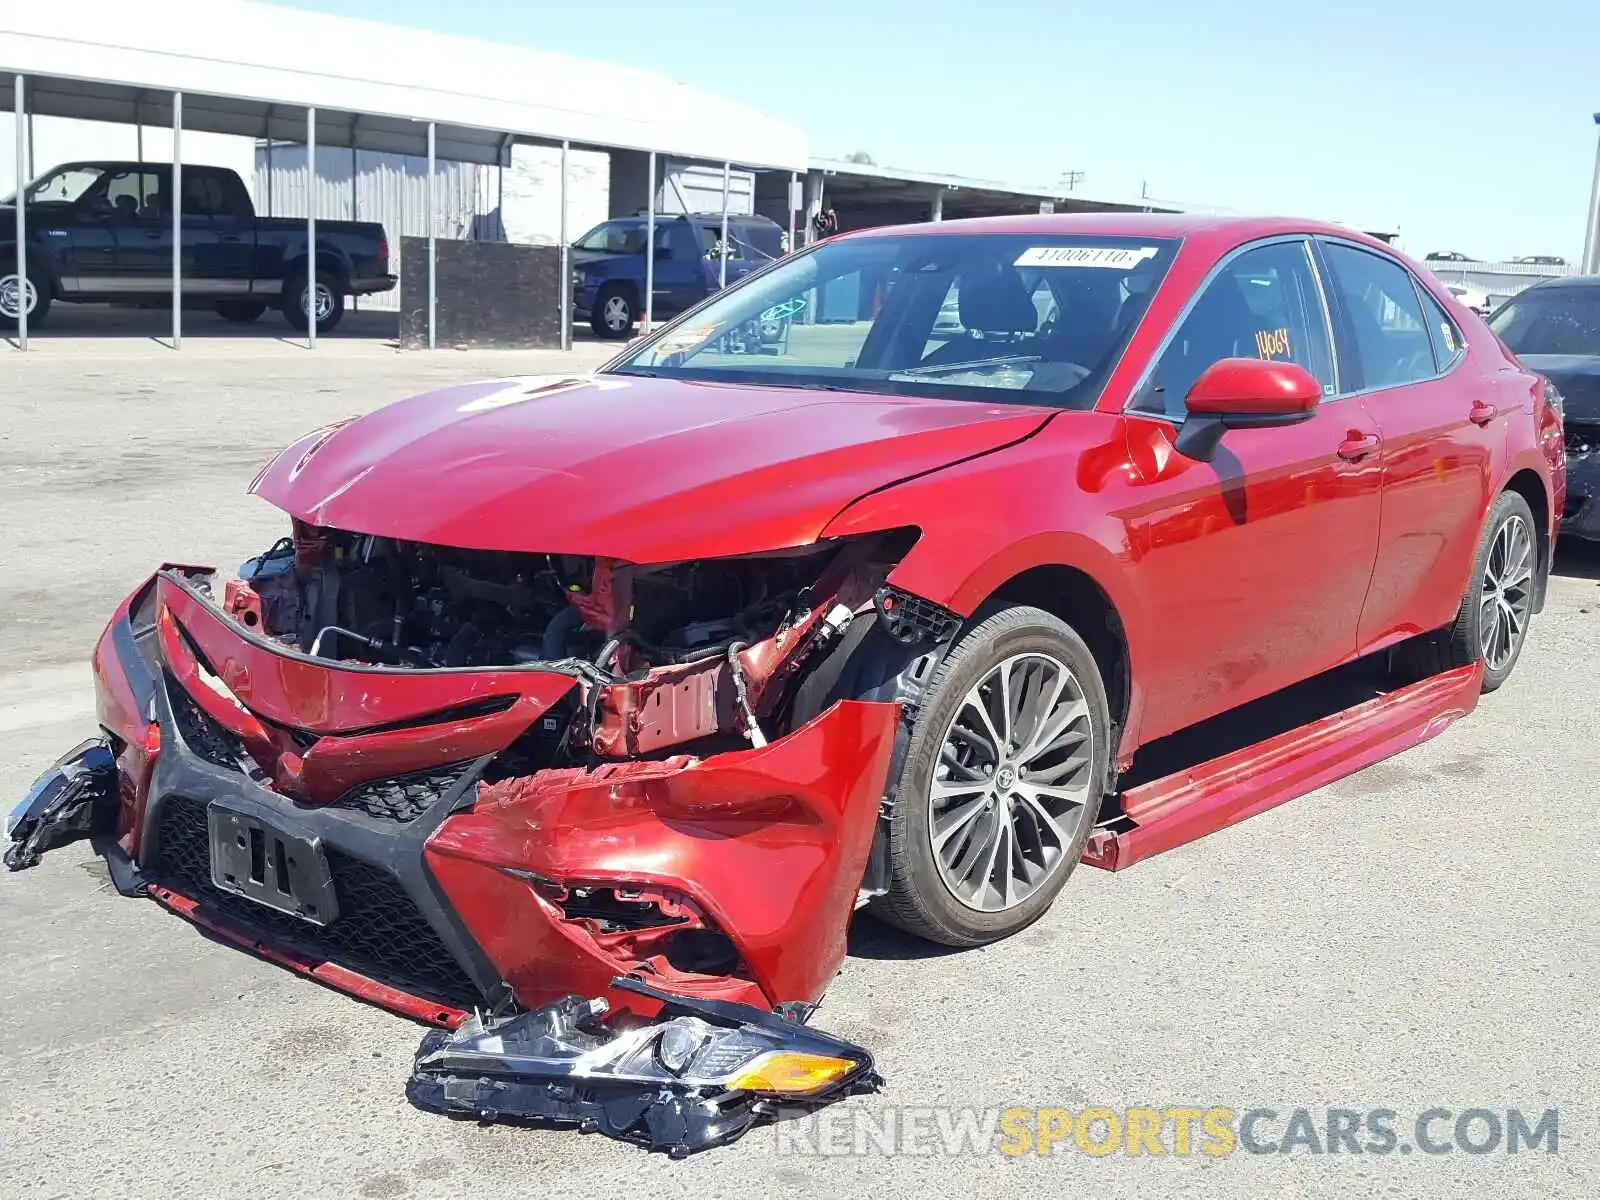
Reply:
x=1170, y=1131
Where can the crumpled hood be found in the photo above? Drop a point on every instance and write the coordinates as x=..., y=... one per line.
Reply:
x=642, y=469
x=1577, y=378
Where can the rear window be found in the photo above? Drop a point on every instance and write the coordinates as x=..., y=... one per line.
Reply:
x=1037, y=319
x=1552, y=320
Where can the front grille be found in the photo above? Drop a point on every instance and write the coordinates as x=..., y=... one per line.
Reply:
x=201, y=733
x=380, y=933
x=402, y=799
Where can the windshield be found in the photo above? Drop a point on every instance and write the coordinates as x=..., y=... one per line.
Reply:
x=614, y=237
x=64, y=185
x=1554, y=320
x=1039, y=320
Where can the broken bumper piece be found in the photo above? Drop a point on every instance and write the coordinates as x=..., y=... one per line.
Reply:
x=699, y=1075
x=74, y=799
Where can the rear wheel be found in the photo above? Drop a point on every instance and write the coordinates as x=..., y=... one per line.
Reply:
x=298, y=296
x=241, y=312
x=614, y=312
x=1492, y=623
x=15, y=296
x=1003, y=777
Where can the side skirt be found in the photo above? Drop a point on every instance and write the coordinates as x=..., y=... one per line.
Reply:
x=1212, y=795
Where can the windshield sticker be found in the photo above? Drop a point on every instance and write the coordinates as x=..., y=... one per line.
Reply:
x=1449, y=336
x=1116, y=258
x=683, y=339
x=1272, y=342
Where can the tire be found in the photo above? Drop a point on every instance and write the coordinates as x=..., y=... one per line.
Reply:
x=1496, y=587
x=38, y=291
x=956, y=898
x=615, y=311
x=241, y=312
x=330, y=290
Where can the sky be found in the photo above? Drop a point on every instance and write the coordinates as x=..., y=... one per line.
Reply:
x=1467, y=125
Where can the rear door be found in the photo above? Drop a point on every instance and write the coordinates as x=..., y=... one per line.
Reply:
x=223, y=231
x=1256, y=564
x=680, y=267
x=143, y=256
x=1440, y=420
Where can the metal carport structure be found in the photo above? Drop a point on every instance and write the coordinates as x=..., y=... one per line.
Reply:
x=239, y=67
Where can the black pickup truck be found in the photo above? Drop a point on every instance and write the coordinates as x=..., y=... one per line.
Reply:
x=101, y=232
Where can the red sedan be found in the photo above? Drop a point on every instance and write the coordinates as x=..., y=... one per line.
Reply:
x=872, y=578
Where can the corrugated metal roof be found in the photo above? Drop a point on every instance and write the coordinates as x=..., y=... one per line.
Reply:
x=267, y=55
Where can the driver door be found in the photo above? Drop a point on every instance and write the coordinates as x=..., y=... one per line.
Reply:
x=1255, y=565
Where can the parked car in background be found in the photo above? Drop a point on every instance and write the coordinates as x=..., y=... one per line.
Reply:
x=1473, y=298
x=1554, y=329
x=608, y=267
x=101, y=232
x=1450, y=256
x=1541, y=260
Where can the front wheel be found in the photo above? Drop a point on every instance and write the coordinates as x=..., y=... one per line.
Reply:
x=15, y=295
x=1492, y=623
x=614, y=314
x=1004, y=773
x=298, y=297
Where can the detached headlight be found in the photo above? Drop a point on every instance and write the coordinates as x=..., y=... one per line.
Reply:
x=699, y=1075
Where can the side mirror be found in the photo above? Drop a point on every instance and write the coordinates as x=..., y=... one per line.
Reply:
x=1244, y=393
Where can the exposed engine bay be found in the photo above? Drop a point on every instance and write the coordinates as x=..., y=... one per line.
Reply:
x=669, y=654
x=358, y=747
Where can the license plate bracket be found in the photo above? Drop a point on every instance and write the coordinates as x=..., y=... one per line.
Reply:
x=264, y=862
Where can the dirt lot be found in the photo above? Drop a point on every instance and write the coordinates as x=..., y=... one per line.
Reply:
x=1420, y=935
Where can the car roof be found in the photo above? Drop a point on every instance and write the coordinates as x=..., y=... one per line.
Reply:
x=1567, y=281
x=1201, y=226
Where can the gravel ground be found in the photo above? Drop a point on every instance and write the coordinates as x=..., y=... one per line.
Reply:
x=1419, y=935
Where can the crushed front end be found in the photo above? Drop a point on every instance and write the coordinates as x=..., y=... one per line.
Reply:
x=450, y=780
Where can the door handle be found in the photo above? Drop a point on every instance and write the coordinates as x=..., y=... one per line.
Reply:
x=1481, y=413
x=153, y=236
x=1358, y=445
x=231, y=237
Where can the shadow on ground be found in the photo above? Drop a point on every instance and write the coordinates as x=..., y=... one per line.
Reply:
x=1577, y=560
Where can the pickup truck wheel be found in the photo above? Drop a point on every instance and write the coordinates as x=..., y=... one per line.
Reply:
x=38, y=300
x=241, y=311
x=297, y=301
x=614, y=312
x=1003, y=777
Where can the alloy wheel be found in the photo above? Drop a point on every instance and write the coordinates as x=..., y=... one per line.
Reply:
x=616, y=315
x=1506, y=599
x=1012, y=783
x=10, y=293
x=324, y=296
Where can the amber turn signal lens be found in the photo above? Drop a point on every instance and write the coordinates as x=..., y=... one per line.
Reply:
x=788, y=1074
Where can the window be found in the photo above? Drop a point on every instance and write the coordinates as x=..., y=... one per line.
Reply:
x=749, y=241
x=964, y=316
x=214, y=194
x=61, y=186
x=614, y=237
x=1551, y=320
x=1392, y=344
x=202, y=194
x=675, y=241
x=1448, y=344
x=132, y=194
x=1262, y=303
